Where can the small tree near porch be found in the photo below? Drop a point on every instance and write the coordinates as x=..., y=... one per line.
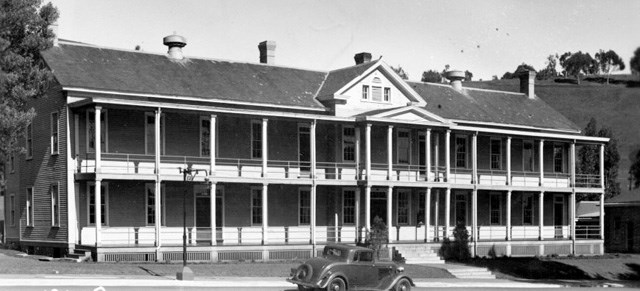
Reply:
x=458, y=249
x=378, y=236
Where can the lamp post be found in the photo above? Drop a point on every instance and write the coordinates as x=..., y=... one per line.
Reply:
x=188, y=175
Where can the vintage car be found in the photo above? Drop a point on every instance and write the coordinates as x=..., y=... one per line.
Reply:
x=345, y=267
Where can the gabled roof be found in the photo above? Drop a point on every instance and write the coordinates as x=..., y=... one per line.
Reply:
x=89, y=67
x=586, y=209
x=403, y=114
x=337, y=79
x=493, y=107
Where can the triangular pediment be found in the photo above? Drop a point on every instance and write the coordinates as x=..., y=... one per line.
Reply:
x=405, y=114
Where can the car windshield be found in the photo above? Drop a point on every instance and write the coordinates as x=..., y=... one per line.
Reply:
x=334, y=253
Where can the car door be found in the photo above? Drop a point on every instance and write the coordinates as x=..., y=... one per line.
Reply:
x=365, y=273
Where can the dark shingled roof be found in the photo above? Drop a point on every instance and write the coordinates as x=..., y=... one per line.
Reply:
x=338, y=78
x=491, y=106
x=136, y=72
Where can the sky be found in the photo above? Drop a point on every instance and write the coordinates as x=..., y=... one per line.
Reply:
x=485, y=37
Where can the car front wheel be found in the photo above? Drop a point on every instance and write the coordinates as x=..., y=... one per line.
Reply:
x=402, y=285
x=337, y=284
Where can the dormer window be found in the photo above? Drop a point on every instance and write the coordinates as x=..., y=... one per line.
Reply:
x=365, y=92
x=387, y=94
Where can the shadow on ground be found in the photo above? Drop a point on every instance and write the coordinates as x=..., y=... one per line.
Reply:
x=534, y=268
x=634, y=275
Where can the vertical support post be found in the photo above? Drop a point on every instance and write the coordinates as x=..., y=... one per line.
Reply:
x=541, y=215
x=474, y=158
x=508, y=160
x=212, y=145
x=447, y=157
x=389, y=152
x=97, y=139
x=358, y=235
x=265, y=147
x=602, y=217
x=390, y=213
x=157, y=139
x=436, y=215
x=312, y=137
x=367, y=208
x=427, y=215
x=98, y=213
x=212, y=205
x=572, y=220
x=474, y=220
x=572, y=161
x=508, y=204
x=313, y=214
x=436, y=157
x=602, y=166
x=158, y=188
x=367, y=141
x=541, y=161
x=447, y=211
x=265, y=215
x=357, y=152
x=427, y=150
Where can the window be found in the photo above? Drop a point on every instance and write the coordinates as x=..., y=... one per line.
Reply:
x=256, y=206
x=387, y=94
x=365, y=92
x=104, y=202
x=256, y=139
x=29, y=141
x=496, y=208
x=150, y=189
x=55, y=128
x=364, y=256
x=403, y=207
x=421, y=208
x=461, y=151
x=91, y=131
x=558, y=159
x=461, y=208
x=205, y=123
x=30, y=206
x=376, y=93
x=496, y=154
x=527, y=155
x=304, y=207
x=404, y=148
x=348, y=144
x=150, y=133
x=527, y=209
x=348, y=207
x=12, y=209
x=55, y=204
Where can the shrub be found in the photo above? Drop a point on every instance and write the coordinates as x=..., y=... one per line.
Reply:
x=492, y=252
x=458, y=249
x=378, y=236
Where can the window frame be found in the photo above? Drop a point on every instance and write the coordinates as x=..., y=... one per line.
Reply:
x=345, y=207
x=55, y=133
x=301, y=193
x=105, y=131
x=30, y=206
x=256, y=150
x=365, y=92
x=465, y=199
x=55, y=204
x=163, y=204
x=497, y=155
x=495, y=195
x=348, y=141
x=555, y=159
x=526, y=196
x=422, y=208
x=408, y=153
x=406, y=207
x=532, y=167
x=29, y=141
x=374, y=96
x=254, y=220
x=386, y=95
x=465, y=153
x=103, y=195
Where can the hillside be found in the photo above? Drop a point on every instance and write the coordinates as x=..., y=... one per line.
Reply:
x=614, y=106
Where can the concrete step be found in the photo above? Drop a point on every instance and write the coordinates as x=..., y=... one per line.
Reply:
x=471, y=273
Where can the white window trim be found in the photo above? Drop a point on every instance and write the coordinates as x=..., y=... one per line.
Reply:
x=163, y=127
x=561, y=146
x=55, y=126
x=12, y=209
x=409, y=149
x=500, y=202
x=30, y=206
x=533, y=208
x=397, y=208
x=351, y=139
x=500, y=161
x=366, y=93
x=105, y=195
x=253, y=189
x=57, y=195
x=29, y=141
x=103, y=112
x=455, y=205
x=466, y=149
x=386, y=98
x=533, y=156
x=259, y=122
x=300, y=191
x=354, y=206
x=163, y=204
x=564, y=213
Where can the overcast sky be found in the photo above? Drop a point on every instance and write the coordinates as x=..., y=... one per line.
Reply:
x=485, y=37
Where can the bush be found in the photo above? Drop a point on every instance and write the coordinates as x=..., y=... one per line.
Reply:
x=377, y=237
x=492, y=252
x=458, y=249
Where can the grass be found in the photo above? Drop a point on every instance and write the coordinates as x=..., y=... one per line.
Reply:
x=14, y=262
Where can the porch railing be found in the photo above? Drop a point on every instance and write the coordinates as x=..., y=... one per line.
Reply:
x=587, y=181
x=492, y=177
x=525, y=178
x=336, y=171
x=588, y=232
x=461, y=176
x=557, y=180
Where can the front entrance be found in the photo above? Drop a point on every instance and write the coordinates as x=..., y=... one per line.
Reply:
x=379, y=205
x=558, y=214
x=203, y=214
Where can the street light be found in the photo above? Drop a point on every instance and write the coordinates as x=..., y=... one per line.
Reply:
x=188, y=175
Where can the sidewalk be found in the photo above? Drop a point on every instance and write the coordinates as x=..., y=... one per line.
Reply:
x=165, y=281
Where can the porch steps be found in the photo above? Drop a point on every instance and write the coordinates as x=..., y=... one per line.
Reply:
x=418, y=254
x=78, y=256
x=467, y=272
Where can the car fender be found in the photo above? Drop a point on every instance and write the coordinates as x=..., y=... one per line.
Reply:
x=395, y=280
x=331, y=277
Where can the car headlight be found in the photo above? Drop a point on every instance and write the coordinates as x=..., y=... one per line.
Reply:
x=400, y=270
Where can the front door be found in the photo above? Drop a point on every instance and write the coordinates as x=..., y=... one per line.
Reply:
x=461, y=209
x=422, y=155
x=304, y=148
x=558, y=214
x=379, y=206
x=203, y=214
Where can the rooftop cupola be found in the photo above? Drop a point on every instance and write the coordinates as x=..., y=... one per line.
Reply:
x=175, y=43
x=455, y=77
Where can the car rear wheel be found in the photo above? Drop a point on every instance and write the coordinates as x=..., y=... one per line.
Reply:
x=336, y=284
x=403, y=285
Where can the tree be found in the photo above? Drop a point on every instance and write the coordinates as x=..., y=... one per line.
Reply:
x=400, y=71
x=507, y=76
x=468, y=76
x=578, y=63
x=431, y=76
x=634, y=63
x=634, y=171
x=494, y=78
x=458, y=249
x=378, y=236
x=550, y=70
x=588, y=160
x=23, y=76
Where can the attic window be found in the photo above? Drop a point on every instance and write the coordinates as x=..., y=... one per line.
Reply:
x=376, y=93
x=376, y=80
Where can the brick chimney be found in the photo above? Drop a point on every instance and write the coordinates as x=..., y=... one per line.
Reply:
x=455, y=77
x=527, y=83
x=267, y=52
x=362, y=58
x=54, y=29
x=175, y=43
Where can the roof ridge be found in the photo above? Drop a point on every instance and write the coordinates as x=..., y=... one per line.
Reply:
x=466, y=88
x=354, y=66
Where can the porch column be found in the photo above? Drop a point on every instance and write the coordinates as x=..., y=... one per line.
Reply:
x=572, y=161
x=436, y=215
x=508, y=160
x=447, y=156
x=474, y=220
x=98, y=213
x=212, y=205
x=265, y=215
x=312, y=133
x=367, y=141
x=264, y=147
x=158, y=189
x=572, y=215
x=312, y=137
x=97, y=141
x=357, y=152
x=447, y=211
x=541, y=161
x=390, y=212
x=367, y=207
x=436, y=157
x=313, y=214
x=427, y=150
x=427, y=215
x=602, y=216
x=389, y=152
x=156, y=136
x=541, y=215
x=602, y=166
x=474, y=158
x=212, y=146
x=358, y=237
x=508, y=215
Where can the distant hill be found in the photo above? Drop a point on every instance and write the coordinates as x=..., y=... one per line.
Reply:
x=616, y=106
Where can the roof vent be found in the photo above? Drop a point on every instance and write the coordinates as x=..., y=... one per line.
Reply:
x=456, y=78
x=362, y=58
x=175, y=43
x=267, y=52
x=527, y=83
